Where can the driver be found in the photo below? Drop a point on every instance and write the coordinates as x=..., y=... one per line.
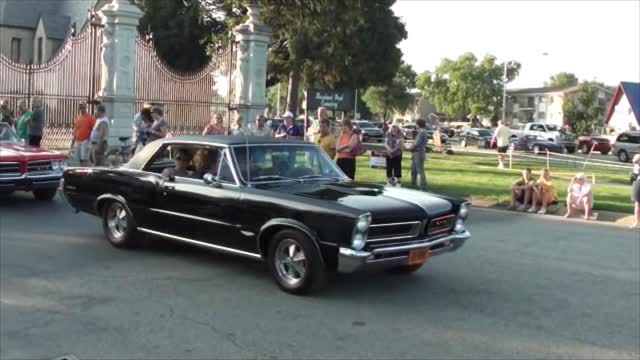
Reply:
x=182, y=160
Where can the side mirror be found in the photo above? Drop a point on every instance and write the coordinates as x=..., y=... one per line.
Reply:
x=210, y=180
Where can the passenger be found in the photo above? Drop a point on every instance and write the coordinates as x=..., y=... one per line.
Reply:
x=544, y=193
x=200, y=163
x=521, y=191
x=182, y=159
x=579, y=196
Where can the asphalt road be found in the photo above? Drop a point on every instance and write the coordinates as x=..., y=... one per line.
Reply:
x=524, y=287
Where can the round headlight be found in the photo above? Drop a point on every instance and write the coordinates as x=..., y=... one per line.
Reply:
x=464, y=211
x=56, y=165
x=358, y=241
x=459, y=226
x=363, y=223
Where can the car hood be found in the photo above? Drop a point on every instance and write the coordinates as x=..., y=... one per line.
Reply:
x=13, y=151
x=386, y=204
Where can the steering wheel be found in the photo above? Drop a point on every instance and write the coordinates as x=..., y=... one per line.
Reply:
x=300, y=171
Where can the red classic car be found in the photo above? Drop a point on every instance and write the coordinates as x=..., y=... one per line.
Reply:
x=28, y=168
x=597, y=143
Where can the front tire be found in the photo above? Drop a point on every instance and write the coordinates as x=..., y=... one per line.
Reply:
x=404, y=269
x=44, y=194
x=118, y=225
x=295, y=262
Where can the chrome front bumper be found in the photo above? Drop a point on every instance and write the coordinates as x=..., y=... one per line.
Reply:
x=350, y=260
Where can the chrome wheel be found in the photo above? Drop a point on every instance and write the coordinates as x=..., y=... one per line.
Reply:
x=117, y=221
x=291, y=262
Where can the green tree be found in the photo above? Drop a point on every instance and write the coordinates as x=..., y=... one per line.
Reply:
x=582, y=110
x=396, y=96
x=562, y=79
x=467, y=86
x=182, y=30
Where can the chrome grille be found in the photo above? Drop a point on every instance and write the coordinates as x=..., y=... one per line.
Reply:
x=9, y=169
x=39, y=167
x=394, y=231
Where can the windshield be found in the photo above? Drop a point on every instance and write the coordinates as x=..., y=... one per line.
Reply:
x=284, y=162
x=552, y=127
x=365, y=125
x=7, y=134
x=484, y=132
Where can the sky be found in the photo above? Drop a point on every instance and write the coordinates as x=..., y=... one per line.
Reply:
x=596, y=40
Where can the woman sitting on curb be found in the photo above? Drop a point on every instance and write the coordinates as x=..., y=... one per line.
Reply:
x=544, y=192
x=579, y=196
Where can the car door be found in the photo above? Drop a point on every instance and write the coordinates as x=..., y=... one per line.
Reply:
x=204, y=213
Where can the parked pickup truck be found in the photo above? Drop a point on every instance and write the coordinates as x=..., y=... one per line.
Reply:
x=550, y=132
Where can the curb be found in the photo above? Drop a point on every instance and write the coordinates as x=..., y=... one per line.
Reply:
x=606, y=218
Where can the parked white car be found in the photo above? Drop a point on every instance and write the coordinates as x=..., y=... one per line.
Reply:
x=548, y=131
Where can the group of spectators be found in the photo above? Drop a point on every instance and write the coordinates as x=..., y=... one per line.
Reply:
x=528, y=194
x=29, y=123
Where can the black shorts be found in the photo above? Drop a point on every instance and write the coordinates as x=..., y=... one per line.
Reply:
x=503, y=149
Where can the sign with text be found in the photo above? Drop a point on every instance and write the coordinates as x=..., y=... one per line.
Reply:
x=378, y=160
x=341, y=100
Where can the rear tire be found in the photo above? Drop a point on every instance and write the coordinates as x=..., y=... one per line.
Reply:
x=295, y=262
x=623, y=156
x=404, y=269
x=45, y=194
x=118, y=225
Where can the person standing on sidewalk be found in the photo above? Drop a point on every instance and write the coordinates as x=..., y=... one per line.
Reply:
x=83, y=125
x=99, y=136
x=215, y=126
x=393, y=145
x=418, y=155
x=36, y=122
x=24, y=113
x=502, y=135
x=160, y=127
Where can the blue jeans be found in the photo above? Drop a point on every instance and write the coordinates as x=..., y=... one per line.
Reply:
x=417, y=169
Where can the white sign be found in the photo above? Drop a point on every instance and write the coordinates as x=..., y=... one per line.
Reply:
x=378, y=162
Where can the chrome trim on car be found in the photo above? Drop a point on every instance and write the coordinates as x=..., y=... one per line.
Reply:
x=193, y=217
x=202, y=244
x=350, y=260
x=395, y=224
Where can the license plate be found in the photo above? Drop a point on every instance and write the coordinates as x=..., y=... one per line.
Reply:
x=418, y=256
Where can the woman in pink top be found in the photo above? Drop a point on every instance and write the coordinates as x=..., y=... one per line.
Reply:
x=215, y=127
x=579, y=196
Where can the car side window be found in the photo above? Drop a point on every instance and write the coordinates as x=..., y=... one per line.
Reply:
x=160, y=161
x=622, y=138
x=225, y=174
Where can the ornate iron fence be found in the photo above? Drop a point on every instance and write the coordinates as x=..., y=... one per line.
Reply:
x=63, y=82
x=189, y=99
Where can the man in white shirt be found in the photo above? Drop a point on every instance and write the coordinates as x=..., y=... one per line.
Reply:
x=503, y=136
x=237, y=128
x=261, y=129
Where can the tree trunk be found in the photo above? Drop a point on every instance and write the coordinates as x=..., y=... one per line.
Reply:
x=292, y=95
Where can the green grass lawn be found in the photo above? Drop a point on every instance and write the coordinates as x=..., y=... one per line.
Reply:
x=466, y=175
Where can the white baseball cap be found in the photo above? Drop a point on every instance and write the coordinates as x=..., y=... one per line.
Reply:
x=287, y=114
x=580, y=176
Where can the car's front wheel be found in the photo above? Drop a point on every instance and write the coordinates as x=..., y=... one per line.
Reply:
x=404, y=269
x=295, y=262
x=118, y=225
x=45, y=194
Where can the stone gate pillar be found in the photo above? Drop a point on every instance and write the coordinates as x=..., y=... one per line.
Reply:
x=250, y=78
x=118, y=56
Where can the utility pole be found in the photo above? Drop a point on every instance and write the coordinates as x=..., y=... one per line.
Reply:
x=504, y=92
x=355, y=107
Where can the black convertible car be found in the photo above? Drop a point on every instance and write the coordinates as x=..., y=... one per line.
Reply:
x=284, y=202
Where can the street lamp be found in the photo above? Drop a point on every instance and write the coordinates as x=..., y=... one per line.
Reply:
x=504, y=87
